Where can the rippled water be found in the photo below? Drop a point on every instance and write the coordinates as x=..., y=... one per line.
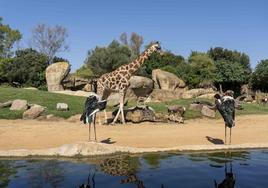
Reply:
x=247, y=169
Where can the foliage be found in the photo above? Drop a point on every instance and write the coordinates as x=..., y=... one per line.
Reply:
x=202, y=69
x=260, y=76
x=219, y=54
x=26, y=68
x=231, y=75
x=84, y=72
x=8, y=37
x=106, y=59
x=159, y=61
x=49, y=40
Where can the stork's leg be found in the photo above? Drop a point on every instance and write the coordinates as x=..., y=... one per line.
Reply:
x=89, y=125
x=94, y=123
x=230, y=138
x=225, y=135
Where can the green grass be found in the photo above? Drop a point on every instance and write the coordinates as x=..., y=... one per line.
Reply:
x=76, y=104
x=42, y=98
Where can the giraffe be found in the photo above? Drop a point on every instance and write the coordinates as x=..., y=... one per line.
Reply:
x=118, y=80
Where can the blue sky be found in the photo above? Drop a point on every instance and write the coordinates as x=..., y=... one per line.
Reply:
x=181, y=26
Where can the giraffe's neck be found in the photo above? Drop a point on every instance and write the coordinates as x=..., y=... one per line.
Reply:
x=134, y=66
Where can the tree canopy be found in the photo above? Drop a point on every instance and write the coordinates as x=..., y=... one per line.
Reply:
x=106, y=59
x=260, y=76
x=8, y=37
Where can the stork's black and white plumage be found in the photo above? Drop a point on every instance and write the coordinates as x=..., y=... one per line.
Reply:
x=226, y=106
x=92, y=106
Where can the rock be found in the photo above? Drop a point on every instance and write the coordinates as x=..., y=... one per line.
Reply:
x=207, y=96
x=62, y=107
x=55, y=73
x=166, y=80
x=19, y=104
x=176, y=109
x=141, y=86
x=197, y=107
x=113, y=99
x=159, y=95
x=87, y=88
x=6, y=104
x=137, y=114
x=74, y=118
x=192, y=93
x=30, y=88
x=74, y=93
x=33, y=112
x=51, y=117
x=206, y=111
x=74, y=83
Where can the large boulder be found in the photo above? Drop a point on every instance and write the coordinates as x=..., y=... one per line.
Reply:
x=208, y=112
x=166, y=80
x=193, y=93
x=159, y=95
x=74, y=83
x=6, y=104
x=140, y=86
x=19, y=104
x=55, y=73
x=33, y=112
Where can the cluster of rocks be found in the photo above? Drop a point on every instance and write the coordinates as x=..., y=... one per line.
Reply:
x=206, y=108
x=163, y=86
x=31, y=111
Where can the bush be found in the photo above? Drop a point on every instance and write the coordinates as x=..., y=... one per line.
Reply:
x=260, y=76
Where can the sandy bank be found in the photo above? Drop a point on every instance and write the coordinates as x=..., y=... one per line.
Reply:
x=28, y=137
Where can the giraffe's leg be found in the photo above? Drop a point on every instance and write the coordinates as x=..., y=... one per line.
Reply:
x=105, y=115
x=121, y=109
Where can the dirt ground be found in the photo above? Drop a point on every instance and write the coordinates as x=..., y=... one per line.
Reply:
x=33, y=134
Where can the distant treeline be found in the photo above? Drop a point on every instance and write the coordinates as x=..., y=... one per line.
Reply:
x=218, y=66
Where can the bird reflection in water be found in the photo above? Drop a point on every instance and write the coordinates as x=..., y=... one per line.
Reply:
x=229, y=176
x=90, y=183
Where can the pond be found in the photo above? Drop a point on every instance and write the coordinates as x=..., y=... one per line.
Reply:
x=243, y=169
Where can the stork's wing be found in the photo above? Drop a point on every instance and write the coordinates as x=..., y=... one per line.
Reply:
x=227, y=111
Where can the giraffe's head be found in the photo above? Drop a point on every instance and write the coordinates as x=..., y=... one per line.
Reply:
x=155, y=47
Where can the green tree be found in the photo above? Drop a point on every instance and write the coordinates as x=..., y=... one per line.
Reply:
x=202, y=69
x=158, y=61
x=231, y=75
x=106, y=59
x=8, y=37
x=260, y=76
x=84, y=72
x=218, y=54
x=27, y=68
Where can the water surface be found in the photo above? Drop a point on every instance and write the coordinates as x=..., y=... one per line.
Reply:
x=247, y=169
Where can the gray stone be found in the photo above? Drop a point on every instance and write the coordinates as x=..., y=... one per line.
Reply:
x=192, y=93
x=206, y=111
x=62, y=107
x=141, y=86
x=159, y=95
x=33, y=112
x=19, y=104
x=166, y=80
x=55, y=73
x=6, y=104
x=74, y=118
x=197, y=107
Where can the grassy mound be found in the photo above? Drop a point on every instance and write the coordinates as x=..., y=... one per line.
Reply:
x=76, y=104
